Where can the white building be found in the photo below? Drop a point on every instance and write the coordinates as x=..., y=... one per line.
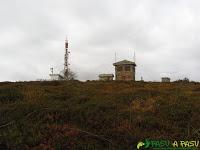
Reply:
x=55, y=77
x=165, y=79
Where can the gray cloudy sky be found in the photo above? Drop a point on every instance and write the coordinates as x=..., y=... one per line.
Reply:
x=164, y=33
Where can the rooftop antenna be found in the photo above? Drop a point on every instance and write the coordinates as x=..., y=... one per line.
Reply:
x=66, y=63
x=115, y=57
x=134, y=59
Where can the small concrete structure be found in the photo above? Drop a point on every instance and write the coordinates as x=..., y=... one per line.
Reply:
x=54, y=77
x=165, y=79
x=125, y=70
x=106, y=77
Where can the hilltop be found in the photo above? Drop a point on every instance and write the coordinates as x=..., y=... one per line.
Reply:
x=96, y=115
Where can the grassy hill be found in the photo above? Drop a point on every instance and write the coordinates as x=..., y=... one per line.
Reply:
x=96, y=115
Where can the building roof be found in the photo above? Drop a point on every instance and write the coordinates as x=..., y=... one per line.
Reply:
x=165, y=77
x=106, y=75
x=55, y=75
x=124, y=62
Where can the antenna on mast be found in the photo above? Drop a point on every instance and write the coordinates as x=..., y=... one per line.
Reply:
x=66, y=63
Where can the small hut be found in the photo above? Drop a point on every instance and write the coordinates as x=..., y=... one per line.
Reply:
x=106, y=77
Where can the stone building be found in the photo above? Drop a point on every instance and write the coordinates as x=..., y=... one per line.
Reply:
x=106, y=77
x=125, y=70
x=165, y=79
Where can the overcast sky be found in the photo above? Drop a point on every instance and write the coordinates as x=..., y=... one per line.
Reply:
x=165, y=34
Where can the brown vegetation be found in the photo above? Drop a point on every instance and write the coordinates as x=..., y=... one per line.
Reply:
x=96, y=115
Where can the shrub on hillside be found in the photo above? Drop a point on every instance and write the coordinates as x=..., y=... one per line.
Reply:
x=10, y=95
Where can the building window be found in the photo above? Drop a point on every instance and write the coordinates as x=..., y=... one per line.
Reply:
x=127, y=68
x=119, y=68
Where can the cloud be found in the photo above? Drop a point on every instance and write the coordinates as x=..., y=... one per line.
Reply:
x=164, y=34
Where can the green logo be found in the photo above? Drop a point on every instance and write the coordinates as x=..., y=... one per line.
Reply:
x=169, y=145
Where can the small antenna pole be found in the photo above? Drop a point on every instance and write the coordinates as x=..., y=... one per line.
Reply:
x=115, y=57
x=134, y=57
x=51, y=70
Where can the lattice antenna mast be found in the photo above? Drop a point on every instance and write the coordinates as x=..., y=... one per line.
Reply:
x=66, y=61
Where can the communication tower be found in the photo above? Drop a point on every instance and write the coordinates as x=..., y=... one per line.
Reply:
x=66, y=61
